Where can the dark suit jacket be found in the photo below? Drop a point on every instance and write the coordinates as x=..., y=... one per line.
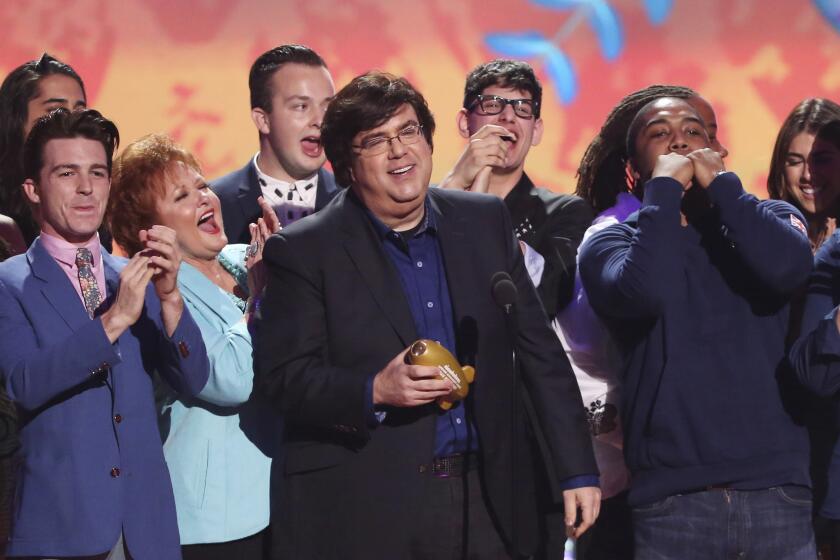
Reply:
x=92, y=462
x=238, y=192
x=553, y=225
x=335, y=313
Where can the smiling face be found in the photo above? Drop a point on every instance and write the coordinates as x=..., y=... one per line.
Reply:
x=797, y=174
x=524, y=132
x=667, y=125
x=190, y=208
x=71, y=191
x=290, y=146
x=54, y=91
x=393, y=184
x=824, y=164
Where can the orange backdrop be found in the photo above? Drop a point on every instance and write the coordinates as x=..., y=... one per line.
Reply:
x=180, y=66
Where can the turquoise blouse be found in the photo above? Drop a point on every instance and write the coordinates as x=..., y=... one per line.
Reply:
x=219, y=476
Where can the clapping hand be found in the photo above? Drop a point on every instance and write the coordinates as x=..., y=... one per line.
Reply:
x=260, y=231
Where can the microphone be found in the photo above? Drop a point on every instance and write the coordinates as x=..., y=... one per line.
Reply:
x=505, y=295
x=504, y=291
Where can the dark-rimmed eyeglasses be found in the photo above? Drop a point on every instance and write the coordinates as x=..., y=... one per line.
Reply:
x=376, y=145
x=495, y=104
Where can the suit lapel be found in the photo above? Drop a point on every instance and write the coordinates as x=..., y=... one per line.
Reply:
x=365, y=250
x=112, y=278
x=326, y=189
x=56, y=286
x=457, y=260
x=249, y=192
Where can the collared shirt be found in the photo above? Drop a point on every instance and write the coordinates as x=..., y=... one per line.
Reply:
x=64, y=254
x=417, y=258
x=290, y=201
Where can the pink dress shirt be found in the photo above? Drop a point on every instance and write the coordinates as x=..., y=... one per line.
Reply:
x=64, y=254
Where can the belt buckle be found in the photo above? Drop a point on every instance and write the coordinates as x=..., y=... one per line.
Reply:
x=449, y=466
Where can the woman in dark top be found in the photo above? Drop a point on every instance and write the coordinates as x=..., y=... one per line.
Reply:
x=816, y=356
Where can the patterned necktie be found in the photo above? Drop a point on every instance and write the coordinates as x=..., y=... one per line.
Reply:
x=87, y=281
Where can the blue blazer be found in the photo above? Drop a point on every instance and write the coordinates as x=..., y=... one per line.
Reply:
x=92, y=463
x=238, y=192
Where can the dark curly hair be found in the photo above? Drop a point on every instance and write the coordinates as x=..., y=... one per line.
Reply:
x=505, y=73
x=363, y=104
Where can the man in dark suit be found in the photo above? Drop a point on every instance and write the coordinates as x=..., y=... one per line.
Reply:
x=80, y=334
x=290, y=88
x=501, y=119
x=373, y=467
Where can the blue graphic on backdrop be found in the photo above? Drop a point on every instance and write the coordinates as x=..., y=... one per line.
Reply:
x=830, y=9
x=602, y=19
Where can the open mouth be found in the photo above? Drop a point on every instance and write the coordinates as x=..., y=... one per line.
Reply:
x=402, y=170
x=311, y=146
x=810, y=191
x=207, y=223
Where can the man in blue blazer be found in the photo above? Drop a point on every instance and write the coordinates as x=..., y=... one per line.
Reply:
x=290, y=88
x=80, y=334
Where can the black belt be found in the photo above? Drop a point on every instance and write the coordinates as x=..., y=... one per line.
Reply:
x=453, y=465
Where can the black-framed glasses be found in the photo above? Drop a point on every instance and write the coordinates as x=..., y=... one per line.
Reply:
x=376, y=145
x=495, y=104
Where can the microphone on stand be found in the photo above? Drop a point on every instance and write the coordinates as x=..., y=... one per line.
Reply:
x=504, y=291
x=505, y=295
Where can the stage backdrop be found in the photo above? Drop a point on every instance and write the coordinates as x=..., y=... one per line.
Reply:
x=180, y=66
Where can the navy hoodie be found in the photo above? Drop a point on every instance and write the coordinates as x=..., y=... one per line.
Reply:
x=701, y=314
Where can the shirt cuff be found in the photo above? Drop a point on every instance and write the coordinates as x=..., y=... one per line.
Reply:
x=373, y=417
x=828, y=338
x=580, y=481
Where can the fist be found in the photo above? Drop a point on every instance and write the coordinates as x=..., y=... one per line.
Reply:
x=675, y=166
x=708, y=164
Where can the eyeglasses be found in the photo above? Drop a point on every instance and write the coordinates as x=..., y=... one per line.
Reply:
x=380, y=144
x=494, y=104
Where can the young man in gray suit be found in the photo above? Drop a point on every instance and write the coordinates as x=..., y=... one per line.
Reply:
x=290, y=88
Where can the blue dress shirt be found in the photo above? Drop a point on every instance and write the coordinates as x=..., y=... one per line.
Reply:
x=417, y=259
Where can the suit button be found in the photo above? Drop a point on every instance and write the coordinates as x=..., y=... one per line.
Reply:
x=422, y=469
x=115, y=472
x=118, y=418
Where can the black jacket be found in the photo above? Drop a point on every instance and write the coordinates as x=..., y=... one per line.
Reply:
x=334, y=314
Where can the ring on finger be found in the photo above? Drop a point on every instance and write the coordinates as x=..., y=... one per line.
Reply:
x=252, y=249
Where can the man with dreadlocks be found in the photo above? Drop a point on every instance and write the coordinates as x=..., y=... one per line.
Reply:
x=606, y=182
x=501, y=119
x=695, y=287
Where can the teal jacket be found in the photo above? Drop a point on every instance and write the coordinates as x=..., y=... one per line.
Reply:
x=219, y=476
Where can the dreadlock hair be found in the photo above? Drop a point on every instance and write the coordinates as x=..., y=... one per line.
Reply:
x=603, y=172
